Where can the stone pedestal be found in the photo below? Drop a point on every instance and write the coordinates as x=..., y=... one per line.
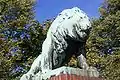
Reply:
x=69, y=73
x=73, y=77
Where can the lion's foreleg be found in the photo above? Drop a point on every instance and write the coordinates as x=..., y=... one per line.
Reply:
x=82, y=62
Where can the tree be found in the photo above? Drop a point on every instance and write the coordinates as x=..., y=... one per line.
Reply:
x=103, y=45
x=15, y=16
x=31, y=46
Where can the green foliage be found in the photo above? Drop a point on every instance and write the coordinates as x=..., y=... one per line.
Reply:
x=103, y=45
x=31, y=47
x=21, y=37
x=15, y=15
x=110, y=67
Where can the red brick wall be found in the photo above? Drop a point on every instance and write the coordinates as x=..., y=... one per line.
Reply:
x=73, y=77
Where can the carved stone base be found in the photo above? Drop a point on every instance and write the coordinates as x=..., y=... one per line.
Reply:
x=69, y=73
x=73, y=77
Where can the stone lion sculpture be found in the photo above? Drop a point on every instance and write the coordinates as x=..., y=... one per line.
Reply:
x=67, y=35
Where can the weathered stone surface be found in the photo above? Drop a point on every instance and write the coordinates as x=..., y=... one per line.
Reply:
x=92, y=72
x=67, y=35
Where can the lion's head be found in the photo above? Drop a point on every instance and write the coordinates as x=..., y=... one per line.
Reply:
x=74, y=21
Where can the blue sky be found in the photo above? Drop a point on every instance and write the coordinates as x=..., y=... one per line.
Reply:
x=47, y=9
